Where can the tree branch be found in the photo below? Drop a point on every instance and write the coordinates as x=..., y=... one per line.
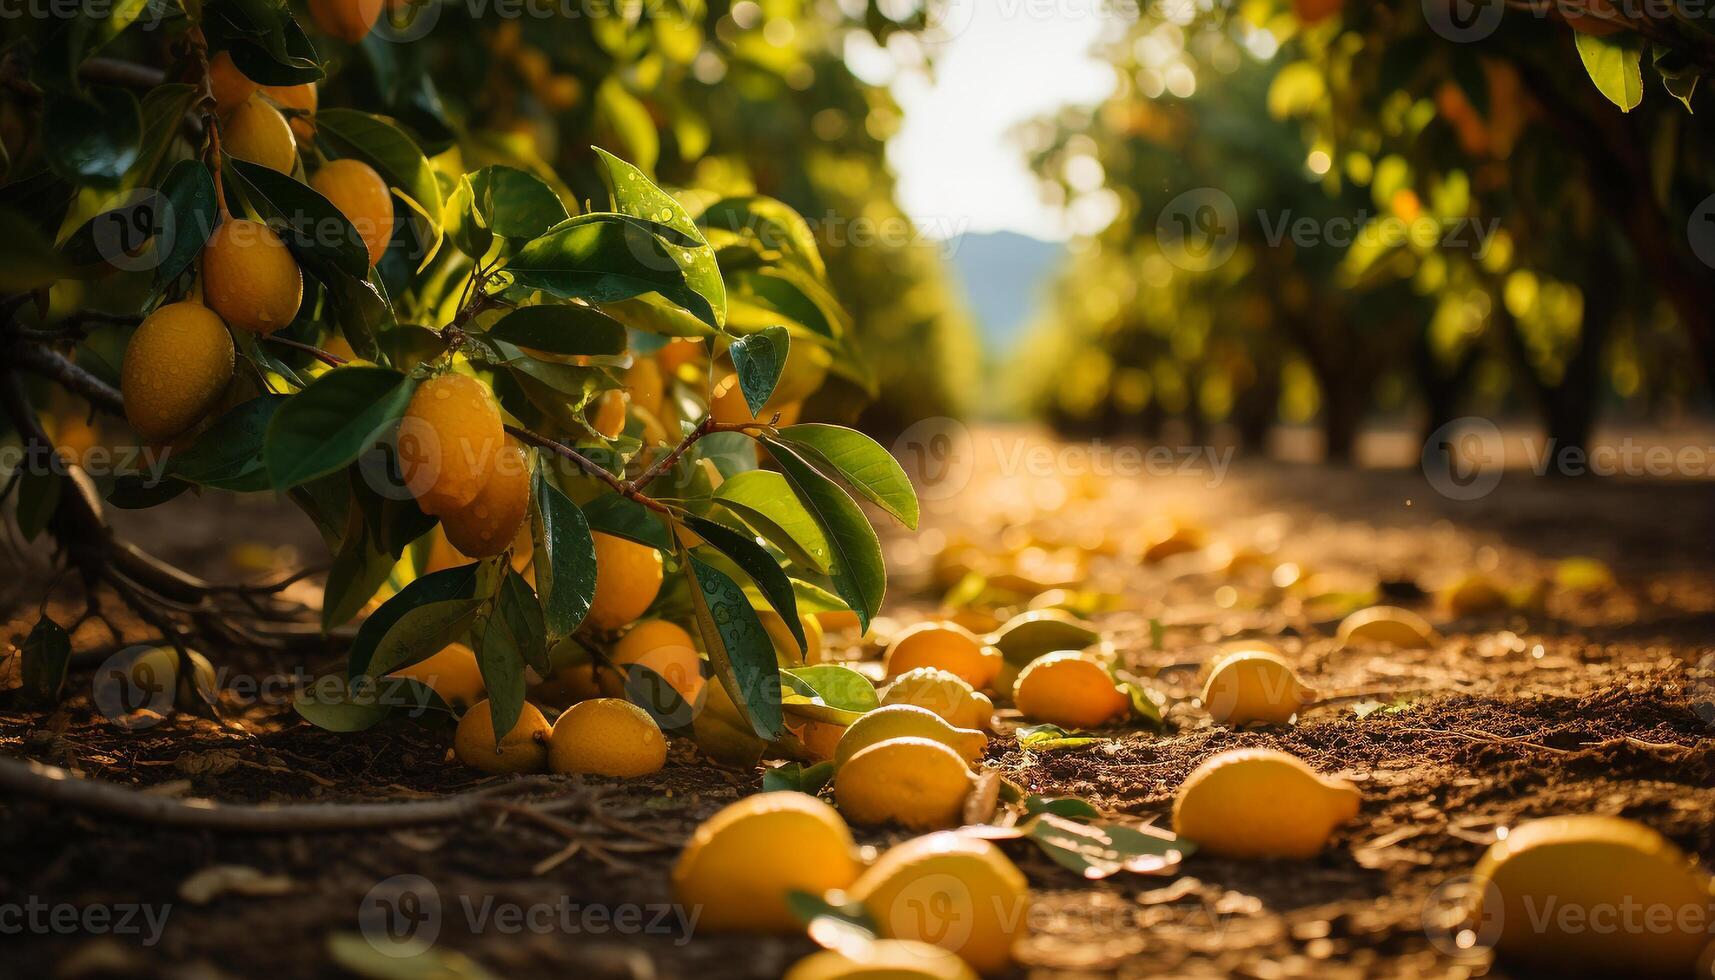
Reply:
x=56, y=366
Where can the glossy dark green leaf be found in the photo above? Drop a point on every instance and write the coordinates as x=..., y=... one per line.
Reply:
x=626, y=518
x=316, y=231
x=500, y=201
x=518, y=612
x=636, y=195
x=394, y=155
x=758, y=565
x=328, y=424
x=502, y=665
x=764, y=500
x=739, y=648
x=92, y=138
x=758, y=359
x=855, y=563
x=450, y=585
x=184, y=224
x=359, y=569
x=564, y=557
x=228, y=455
x=773, y=225
x=860, y=462
x=559, y=329
x=604, y=258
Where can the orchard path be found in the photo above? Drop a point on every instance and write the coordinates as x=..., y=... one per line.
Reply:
x=1593, y=700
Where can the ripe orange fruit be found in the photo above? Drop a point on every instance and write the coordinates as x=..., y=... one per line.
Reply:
x=448, y=439
x=250, y=278
x=678, y=352
x=741, y=863
x=302, y=98
x=348, y=20
x=948, y=646
x=1070, y=690
x=490, y=522
x=607, y=737
x=647, y=387
x=230, y=86
x=255, y=131
x=955, y=891
x=607, y=414
x=362, y=196
x=627, y=578
x=453, y=674
x=666, y=649
x=176, y=368
x=523, y=749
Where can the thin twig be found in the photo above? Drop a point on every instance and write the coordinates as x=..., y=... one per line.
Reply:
x=331, y=360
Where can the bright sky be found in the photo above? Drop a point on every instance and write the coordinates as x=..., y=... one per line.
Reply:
x=1005, y=61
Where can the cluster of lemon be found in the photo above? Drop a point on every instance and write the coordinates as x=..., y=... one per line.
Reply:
x=945, y=904
x=180, y=360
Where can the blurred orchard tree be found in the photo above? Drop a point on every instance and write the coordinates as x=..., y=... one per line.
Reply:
x=1333, y=210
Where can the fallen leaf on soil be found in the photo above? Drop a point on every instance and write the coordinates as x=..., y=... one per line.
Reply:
x=231, y=879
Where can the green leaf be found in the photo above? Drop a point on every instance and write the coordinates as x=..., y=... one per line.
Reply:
x=758, y=360
x=228, y=455
x=798, y=778
x=39, y=489
x=364, y=313
x=1614, y=65
x=1095, y=851
x=27, y=259
x=765, y=501
x=834, y=685
x=333, y=705
x=1070, y=807
x=758, y=565
x=394, y=155
x=860, y=462
x=422, y=632
x=92, y=139
x=626, y=518
x=359, y=569
x=605, y=258
x=316, y=231
x=771, y=224
x=183, y=225
x=502, y=665
x=564, y=558
x=624, y=120
x=518, y=612
x=636, y=195
x=504, y=202
x=738, y=646
x=560, y=329
x=449, y=585
x=1042, y=738
x=855, y=565
x=327, y=425
x=46, y=655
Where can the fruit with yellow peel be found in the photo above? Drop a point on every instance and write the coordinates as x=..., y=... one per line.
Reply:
x=362, y=196
x=452, y=673
x=903, y=721
x=606, y=414
x=250, y=278
x=176, y=368
x=1247, y=686
x=348, y=20
x=256, y=131
x=884, y=959
x=230, y=86
x=490, y=522
x=786, y=645
x=627, y=579
x=156, y=670
x=648, y=389
x=523, y=749
x=581, y=682
x=951, y=889
x=301, y=98
x=838, y=620
x=679, y=352
x=1071, y=690
x=948, y=646
x=1594, y=867
x=918, y=783
x=1253, y=803
x=820, y=739
x=741, y=863
x=1387, y=625
x=448, y=439
x=668, y=650
x=943, y=692
x=607, y=737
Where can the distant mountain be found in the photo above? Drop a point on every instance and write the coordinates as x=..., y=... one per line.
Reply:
x=1005, y=277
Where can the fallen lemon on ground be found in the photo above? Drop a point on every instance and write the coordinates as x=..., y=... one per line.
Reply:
x=948, y=646
x=956, y=891
x=908, y=720
x=1261, y=803
x=1248, y=686
x=1475, y=595
x=523, y=749
x=1598, y=894
x=667, y=649
x=740, y=864
x=1390, y=625
x=453, y=674
x=607, y=737
x=918, y=783
x=884, y=959
x=1070, y=690
x=944, y=693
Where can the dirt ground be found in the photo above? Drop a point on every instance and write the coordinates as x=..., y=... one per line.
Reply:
x=1595, y=700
